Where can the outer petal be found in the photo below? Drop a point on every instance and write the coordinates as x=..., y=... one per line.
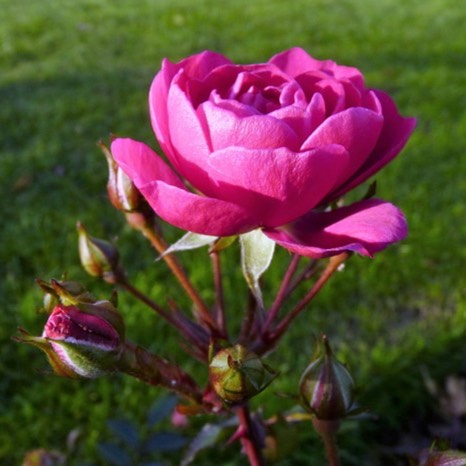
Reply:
x=365, y=227
x=199, y=214
x=188, y=136
x=357, y=129
x=395, y=134
x=141, y=163
x=171, y=200
x=278, y=185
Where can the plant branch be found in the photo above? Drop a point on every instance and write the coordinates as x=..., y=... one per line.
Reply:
x=220, y=304
x=191, y=331
x=327, y=431
x=275, y=308
x=249, y=437
x=332, y=266
x=203, y=313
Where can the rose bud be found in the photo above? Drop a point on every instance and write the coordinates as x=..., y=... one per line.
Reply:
x=237, y=374
x=98, y=257
x=326, y=387
x=122, y=192
x=84, y=341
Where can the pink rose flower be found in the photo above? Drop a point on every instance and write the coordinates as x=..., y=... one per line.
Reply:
x=269, y=146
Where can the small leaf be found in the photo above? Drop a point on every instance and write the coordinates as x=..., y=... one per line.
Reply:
x=114, y=454
x=256, y=255
x=207, y=437
x=189, y=241
x=165, y=441
x=126, y=431
x=161, y=409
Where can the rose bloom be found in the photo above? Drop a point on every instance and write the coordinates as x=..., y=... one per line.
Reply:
x=269, y=146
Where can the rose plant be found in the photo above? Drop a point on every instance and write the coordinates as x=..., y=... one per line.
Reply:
x=264, y=152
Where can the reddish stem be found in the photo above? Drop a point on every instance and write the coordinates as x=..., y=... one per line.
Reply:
x=249, y=437
x=220, y=304
x=327, y=431
x=332, y=266
x=160, y=245
x=273, y=311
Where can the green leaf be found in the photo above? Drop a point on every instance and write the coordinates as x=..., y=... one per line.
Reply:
x=256, y=255
x=189, y=241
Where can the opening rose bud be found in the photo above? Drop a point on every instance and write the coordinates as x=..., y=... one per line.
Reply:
x=86, y=343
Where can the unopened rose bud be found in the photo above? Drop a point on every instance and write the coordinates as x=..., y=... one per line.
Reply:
x=237, y=374
x=122, y=192
x=81, y=341
x=98, y=257
x=326, y=387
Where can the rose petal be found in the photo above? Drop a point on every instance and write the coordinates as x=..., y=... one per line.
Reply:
x=141, y=163
x=357, y=129
x=198, y=214
x=188, y=136
x=227, y=129
x=393, y=137
x=277, y=185
x=295, y=61
x=365, y=227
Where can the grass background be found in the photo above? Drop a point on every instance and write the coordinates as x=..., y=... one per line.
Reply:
x=74, y=71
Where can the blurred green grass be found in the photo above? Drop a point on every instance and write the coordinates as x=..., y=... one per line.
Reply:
x=73, y=72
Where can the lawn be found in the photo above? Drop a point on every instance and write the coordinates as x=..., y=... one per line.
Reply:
x=75, y=71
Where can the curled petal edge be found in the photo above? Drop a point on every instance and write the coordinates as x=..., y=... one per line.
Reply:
x=365, y=227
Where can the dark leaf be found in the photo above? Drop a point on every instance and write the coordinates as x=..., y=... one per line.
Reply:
x=207, y=437
x=165, y=441
x=114, y=455
x=126, y=431
x=161, y=409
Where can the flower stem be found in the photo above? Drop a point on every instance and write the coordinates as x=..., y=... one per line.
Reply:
x=273, y=311
x=220, y=304
x=189, y=329
x=249, y=437
x=160, y=245
x=332, y=266
x=327, y=431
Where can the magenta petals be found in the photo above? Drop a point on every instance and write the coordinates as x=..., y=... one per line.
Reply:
x=271, y=146
x=227, y=129
x=141, y=163
x=357, y=129
x=365, y=227
x=199, y=214
x=278, y=185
